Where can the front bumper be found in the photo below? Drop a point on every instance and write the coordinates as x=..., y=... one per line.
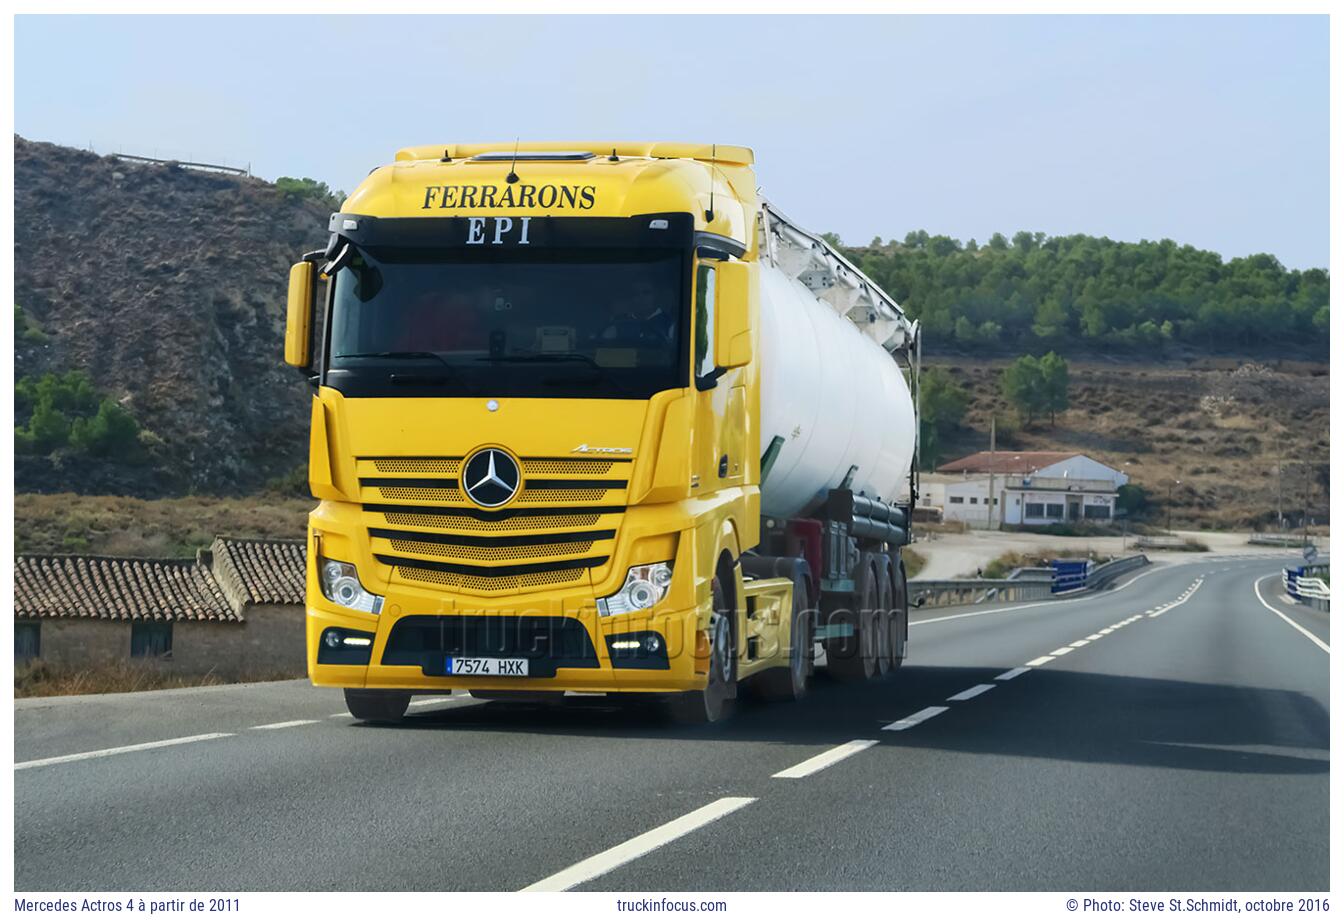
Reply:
x=566, y=649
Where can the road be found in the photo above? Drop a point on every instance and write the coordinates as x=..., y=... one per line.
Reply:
x=1169, y=734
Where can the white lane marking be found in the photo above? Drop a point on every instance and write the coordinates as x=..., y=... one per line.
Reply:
x=824, y=760
x=108, y=752
x=432, y=700
x=1094, y=637
x=1037, y=662
x=1079, y=644
x=1075, y=600
x=911, y=721
x=1174, y=604
x=1107, y=631
x=1015, y=672
x=1321, y=645
x=294, y=724
x=1061, y=651
x=970, y=693
x=636, y=847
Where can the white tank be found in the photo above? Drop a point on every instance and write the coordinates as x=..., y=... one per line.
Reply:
x=835, y=396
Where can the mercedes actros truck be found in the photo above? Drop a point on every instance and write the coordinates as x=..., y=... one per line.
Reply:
x=597, y=418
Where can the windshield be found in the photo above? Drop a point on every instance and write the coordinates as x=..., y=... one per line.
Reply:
x=592, y=323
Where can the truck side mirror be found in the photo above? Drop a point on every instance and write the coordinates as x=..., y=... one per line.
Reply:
x=299, y=315
x=737, y=285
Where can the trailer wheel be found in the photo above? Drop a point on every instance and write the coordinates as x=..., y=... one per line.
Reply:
x=714, y=703
x=384, y=707
x=854, y=659
x=885, y=619
x=790, y=683
x=900, y=614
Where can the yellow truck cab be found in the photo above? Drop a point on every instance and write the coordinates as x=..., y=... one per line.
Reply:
x=538, y=442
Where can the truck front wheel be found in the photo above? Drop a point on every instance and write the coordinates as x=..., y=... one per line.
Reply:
x=713, y=703
x=383, y=707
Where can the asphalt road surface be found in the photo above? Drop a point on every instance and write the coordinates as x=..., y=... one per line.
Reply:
x=1169, y=734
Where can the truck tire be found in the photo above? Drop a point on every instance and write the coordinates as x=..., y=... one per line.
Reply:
x=383, y=707
x=790, y=683
x=853, y=659
x=886, y=618
x=900, y=633
x=714, y=703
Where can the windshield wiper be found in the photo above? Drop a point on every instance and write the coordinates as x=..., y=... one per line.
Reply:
x=433, y=355
x=398, y=379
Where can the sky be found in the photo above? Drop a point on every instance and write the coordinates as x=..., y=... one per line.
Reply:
x=1208, y=130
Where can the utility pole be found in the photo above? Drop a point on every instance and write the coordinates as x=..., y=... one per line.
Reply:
x=1170, y=483
x=992, y=502
x=1279, y=502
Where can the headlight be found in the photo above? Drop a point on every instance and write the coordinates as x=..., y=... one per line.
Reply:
x=645, y=585
x=340, y=585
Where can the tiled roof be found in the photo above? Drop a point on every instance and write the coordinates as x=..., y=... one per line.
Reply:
x=99, y=587
x=1007, y=461
x=261, y=571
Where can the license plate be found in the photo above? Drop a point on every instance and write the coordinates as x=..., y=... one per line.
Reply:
x=487, y=667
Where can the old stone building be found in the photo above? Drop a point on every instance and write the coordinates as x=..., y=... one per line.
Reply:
x=235, y=611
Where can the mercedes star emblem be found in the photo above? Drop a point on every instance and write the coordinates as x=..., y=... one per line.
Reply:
x=490, y=477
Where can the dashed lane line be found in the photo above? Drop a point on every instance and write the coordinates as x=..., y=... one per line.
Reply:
x=1061, y=651
x=1319, y=644
x=824, y=759
x=1037, y=662
x=294, y=724
x=632, y=849
x=1015, y=672
x=1190, y=592
x=1080, y=643
x=911, y=721
x=127, y=749
x=970, y=693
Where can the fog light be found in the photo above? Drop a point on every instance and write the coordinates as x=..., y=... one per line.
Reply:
x=652, y=643
x=332, y=639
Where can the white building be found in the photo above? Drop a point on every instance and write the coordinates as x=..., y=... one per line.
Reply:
x=1031, y=488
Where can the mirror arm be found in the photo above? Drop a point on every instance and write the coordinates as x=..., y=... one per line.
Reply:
x=710, y=380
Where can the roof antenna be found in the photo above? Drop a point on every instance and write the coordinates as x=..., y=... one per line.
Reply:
x=614, y=158
x=445, y=158
x=713, y=153
x=512, y=177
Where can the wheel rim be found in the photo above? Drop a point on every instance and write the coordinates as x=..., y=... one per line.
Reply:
x=721, y=664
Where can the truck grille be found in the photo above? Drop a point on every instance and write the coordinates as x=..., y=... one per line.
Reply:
x=563, y=522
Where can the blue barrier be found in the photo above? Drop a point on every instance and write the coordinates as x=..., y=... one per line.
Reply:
x=1070, y=574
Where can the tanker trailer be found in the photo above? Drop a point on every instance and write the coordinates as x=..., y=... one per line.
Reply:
x=595, y=418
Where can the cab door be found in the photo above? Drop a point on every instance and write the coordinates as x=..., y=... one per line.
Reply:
x=720, y=424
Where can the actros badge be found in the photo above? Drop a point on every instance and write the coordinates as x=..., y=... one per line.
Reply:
x=490, y=477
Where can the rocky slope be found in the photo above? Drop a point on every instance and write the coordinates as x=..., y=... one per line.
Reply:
x=167, y=286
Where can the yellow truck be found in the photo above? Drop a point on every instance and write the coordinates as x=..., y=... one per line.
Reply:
x=597, y=418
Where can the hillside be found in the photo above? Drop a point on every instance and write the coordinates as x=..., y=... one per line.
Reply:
x=1219, y=426
x=167, y=287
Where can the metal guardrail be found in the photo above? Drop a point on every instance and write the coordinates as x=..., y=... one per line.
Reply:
x=1105, y=572
x=1305, y=585
x=1020, y=585
x=1149, y=542
x=187, y=164
x=1029, y=585
x=1277, y=539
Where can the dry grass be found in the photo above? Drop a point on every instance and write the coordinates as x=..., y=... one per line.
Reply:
x=40, y=678
x=914, y=562
x=118, y=526
x=1036, y=558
